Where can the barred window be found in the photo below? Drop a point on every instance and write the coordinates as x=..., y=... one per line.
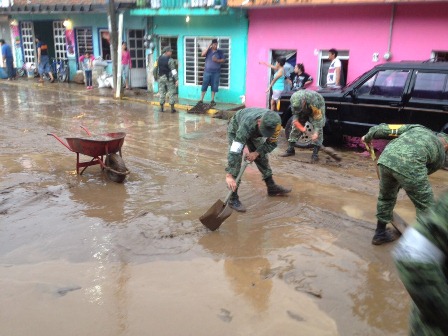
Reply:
x=84, y=40
x=194, y=62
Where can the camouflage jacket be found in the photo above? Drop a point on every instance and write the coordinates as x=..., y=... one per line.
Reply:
x=426, y=281
x=243, y=127
x=415, y=151
x=315, y=106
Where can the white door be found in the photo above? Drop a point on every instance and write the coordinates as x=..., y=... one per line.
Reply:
x=59, y=40
x=136, y=48
x=28, y=45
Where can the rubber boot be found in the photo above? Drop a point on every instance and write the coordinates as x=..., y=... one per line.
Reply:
x=290, y=151
x=315, y=155
x=382, y=235
x=161, y=107
x=235, y=204
x=173, y=110
x=275, y=189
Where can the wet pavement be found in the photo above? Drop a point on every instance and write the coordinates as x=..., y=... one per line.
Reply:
x=81, y=255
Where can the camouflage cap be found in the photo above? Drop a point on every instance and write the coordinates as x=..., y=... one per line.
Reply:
x=269, y=123
x=166, y=49
x=298, y=98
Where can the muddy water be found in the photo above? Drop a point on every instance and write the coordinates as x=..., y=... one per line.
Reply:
x=80, y=255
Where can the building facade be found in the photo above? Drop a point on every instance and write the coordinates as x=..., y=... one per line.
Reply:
x=364, y=34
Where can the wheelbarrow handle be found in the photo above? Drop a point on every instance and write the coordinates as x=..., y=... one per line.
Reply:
x=60, y=140
x=238, y=178
x=86, y=130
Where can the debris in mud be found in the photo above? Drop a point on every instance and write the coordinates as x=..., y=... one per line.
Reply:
x=294, y=316
x=63, y=291
x=225, y=315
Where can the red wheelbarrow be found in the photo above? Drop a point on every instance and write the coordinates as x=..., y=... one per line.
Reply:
x=97, y=147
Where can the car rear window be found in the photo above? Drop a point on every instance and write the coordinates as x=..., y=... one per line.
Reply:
x=430, y=86
x=385, y=83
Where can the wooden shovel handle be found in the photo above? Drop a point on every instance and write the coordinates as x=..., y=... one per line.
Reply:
x=238, y=178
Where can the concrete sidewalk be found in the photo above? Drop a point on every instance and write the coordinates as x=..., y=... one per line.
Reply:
x=135, y=95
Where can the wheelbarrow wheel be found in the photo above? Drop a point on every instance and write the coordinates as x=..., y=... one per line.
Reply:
x=115, y=162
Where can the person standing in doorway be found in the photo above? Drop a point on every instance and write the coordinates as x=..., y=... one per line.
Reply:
x=8, y=59
x=213, y=60
x=278, y=82
x=335, y=70
x=126, y=64
x=43, y=60
x=86, y=62
x=299, y=79
x=168, y=79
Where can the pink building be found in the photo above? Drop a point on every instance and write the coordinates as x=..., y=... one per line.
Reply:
x=364, y=35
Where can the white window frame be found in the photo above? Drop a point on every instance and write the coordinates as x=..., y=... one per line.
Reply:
x=132, y=44
x=323, y=55
x=87, y=40
x=435, y=53
x=100, y=43
x=199, y=61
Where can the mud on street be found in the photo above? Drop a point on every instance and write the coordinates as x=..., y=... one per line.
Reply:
x=81, y=255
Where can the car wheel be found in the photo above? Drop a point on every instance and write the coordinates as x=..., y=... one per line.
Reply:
x=304, y=141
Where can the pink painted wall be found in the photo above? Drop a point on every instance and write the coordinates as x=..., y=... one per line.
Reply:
x=362, y=29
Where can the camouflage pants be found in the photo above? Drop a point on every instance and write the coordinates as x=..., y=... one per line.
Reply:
x=295, y=135
x=262, y=161
x=427, y=286
x=418, y=190
x=167, y=85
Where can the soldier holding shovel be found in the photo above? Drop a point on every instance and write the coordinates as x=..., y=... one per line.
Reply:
x=258, y=129
x=405, y=163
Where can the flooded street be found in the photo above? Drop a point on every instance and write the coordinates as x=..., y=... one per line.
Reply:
x=81, y=255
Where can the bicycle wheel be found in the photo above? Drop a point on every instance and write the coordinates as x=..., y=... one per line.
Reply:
x=62, y=75
x=20, y=72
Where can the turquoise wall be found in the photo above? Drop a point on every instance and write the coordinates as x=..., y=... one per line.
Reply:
x=233, y=26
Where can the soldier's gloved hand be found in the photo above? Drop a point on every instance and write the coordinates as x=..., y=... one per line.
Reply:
x=299, y=126
x=251, y=157
x=231, y=183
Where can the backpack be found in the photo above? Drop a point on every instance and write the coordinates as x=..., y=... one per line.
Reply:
x=155, y=71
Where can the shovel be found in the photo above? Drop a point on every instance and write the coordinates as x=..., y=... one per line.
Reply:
x=220, y=211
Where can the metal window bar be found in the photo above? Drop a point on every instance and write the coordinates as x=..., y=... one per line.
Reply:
x=59, y=40
x=194, y=62
x=28, y=45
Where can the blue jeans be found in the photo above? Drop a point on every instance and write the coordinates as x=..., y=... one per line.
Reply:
x=10, y=67
x=212, y=79
x=44, y=65
x=88, y=77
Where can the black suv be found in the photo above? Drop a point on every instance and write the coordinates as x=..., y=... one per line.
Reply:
x=392, y=93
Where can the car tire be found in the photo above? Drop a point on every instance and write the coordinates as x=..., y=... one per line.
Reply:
x=304, y=141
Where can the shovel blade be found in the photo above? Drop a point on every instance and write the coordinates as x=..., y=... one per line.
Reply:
x=216, y=215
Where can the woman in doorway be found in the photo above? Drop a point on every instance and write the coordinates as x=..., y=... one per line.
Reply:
x=126, y=64
x=278, y=82
x=299, y=79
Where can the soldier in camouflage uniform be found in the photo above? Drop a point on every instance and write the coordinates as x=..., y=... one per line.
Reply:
x=421, y=259
x=405, y=163
x=167, y=77
x=307, y=106
x=258, y=129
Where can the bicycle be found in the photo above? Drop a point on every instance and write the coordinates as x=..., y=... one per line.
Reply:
x=60, y=70
x=25, y=68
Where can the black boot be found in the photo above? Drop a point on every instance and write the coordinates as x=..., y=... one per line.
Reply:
x=161, y=107
x=235, y=204
x=173, y=110
x=382, y=235
x=290, y=151
x=315, y=155
x=275, y=189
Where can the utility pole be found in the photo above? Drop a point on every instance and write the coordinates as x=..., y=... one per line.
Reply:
x=112, y=20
